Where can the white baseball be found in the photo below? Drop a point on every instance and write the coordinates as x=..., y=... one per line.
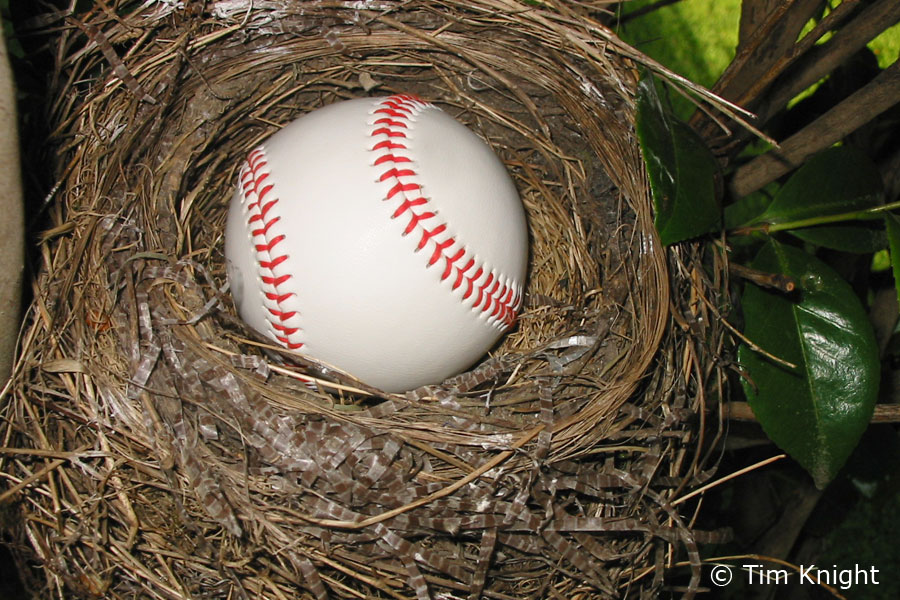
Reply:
x=380, y=236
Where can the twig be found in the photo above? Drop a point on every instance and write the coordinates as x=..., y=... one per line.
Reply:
x=765, y=53
x=728, y=477
x=823, y=59
x=777, y=281
x=31, y=479
x=741, y=411
x=862, y=106
x=791, y=54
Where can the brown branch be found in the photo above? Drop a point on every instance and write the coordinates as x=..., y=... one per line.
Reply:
x=822, y=60
x=740, y=411
x=778, y=281
x=767, y=73
x=764, y=53
x=754, y=14
x=861, y=107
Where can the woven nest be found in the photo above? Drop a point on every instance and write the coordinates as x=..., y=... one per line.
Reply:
x=155, y=448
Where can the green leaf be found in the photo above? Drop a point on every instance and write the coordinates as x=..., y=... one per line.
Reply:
x=892, y=224
x=839, y=180
x=856, y=238
x=746, y=211
x=681, y=169
x=818, y=410
x=881, y=261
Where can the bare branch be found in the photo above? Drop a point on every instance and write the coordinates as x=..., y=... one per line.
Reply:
x=740, y=411
x=861, y=107
x=822, y=60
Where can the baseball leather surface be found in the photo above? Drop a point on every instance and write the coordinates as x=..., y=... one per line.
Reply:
x=380, y=236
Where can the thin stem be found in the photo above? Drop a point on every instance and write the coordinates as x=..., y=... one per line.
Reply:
x=869, y=213
x=728, y=477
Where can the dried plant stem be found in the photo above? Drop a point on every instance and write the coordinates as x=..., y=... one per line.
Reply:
x=728, y=477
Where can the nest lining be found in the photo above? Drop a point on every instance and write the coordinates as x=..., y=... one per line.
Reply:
x=195, y=463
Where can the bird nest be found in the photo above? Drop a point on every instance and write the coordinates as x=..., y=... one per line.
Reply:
x=155, y=448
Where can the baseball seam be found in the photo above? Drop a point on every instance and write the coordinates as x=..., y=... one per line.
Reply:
x=489, y=292
x=261, y=202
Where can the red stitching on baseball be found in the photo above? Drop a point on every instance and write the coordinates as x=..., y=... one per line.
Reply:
x=256, y=188
x=277, y=298
x=268, y=205
x=427, y=235
x=269, y=245
x=271, y=264
x=448, y=269
x=388, y=145
x=414, y=222
x=407, y=204
x=486, y=296
x=389, y=132
x=275, y=281
x=391, y=123
x=396, y=173
x=403, y=187
x=391, y=158
x=265, y=228
x=439, y=251
x=470, y=284
x=492, y=297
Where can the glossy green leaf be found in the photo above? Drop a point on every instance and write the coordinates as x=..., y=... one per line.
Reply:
x=858, y=238
x=839, y=180
x=681, y=169
x=892, y=225
x=817, y=410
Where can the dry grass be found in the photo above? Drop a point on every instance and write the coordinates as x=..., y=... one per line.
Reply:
x=152, y=448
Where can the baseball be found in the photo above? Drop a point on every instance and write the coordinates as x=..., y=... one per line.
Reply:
x=379, y=236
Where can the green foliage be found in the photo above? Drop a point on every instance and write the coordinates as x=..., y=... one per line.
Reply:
x=840, y=182
x=747, y=210
x=681, y=169
x=817, y=410
x=696, y=39
x=886, y=46
x=858, y=239
x=892, y=226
